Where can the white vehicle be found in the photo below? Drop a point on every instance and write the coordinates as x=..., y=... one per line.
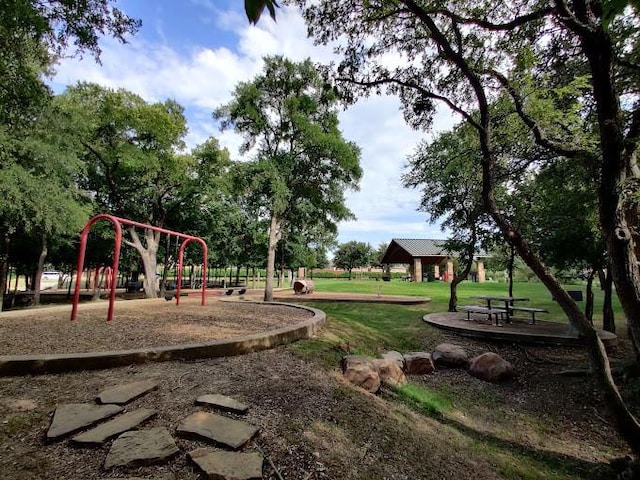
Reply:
x=49, y=280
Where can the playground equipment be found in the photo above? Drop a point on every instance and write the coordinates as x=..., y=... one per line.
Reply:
x=303, y=286
x=117, y=223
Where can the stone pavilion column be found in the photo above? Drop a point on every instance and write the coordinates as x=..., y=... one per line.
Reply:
x=417, y=270
x=482, y=276
x=449, y=271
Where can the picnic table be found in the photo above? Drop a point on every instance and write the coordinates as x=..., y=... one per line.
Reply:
x=508, y=308
x=508, y=303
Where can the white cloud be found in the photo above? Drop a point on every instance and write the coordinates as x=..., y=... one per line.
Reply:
x=204, y=77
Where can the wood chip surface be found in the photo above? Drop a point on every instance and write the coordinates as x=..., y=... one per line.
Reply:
x=138, y=324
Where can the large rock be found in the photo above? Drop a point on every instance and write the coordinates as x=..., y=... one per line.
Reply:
x=449, y=355
x=221, y=465
x=418, y=363
x=142, y=447
x=389, y=371
x=71, y=417
x=222, y=430
x=361, y=372
x=114, y=427
x=126, y=393
x=396, y=357
x=491, y=367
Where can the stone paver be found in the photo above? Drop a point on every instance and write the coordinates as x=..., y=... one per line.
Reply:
x=126, y=393
x=222, y=465
x=71, y=417
x=141, y=447
x=114, y=427
x=222, y=402
x=222, y=430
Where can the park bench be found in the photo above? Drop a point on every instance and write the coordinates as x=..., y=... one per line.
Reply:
x=132, y=287
x=495, y=311
x=529, y=310
x=241, y=291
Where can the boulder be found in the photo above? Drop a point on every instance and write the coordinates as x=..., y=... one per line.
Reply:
x=395, y=356
x=490, y=367
x=450, y=355
x=361, y=372
x=389, y=371
x=418, y=363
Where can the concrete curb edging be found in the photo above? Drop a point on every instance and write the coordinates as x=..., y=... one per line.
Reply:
x=556, y=334
x=11, y=365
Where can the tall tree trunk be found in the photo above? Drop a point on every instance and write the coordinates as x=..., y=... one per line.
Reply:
x=458, y=279
x=588, y=304
x=453, y=293
x=624, y=264
x=4, y=266
x=608, y=317
x=618, y=213
x=165, y=267
x=510, y=266
x=274, y=237
x=149, y=257
x=598, y=48
x=40, y=270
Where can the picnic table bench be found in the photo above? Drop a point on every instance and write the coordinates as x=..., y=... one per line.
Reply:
x=489, y=311
x=241, y=291
x=530, y=310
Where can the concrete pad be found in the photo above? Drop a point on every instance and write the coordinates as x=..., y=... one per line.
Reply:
x=222, y=430
x=123, y=394
x=222, y=465
x=142, y=447
x=114, y=427
x=222, y=402
x=519, y=331
x=69, y=418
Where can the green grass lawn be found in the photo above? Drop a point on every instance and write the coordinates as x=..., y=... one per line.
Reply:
x=438, y=292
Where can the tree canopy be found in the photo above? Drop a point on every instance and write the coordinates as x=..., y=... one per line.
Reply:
x=302, y=165
x=465, y=55
x=352, y=255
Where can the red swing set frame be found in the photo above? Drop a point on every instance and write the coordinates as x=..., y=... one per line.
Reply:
x=117, y=223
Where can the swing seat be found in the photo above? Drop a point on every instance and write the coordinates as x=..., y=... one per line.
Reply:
x=229, y=292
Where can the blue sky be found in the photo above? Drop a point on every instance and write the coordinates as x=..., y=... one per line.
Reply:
x=196, y=51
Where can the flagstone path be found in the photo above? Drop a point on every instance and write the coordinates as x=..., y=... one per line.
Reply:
x=132, y=448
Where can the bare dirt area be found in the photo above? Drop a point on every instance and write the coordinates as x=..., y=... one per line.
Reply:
x=138, y=324
x=312, y=424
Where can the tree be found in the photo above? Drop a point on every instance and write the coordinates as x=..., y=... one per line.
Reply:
x=132, y=168
x=564, y=226
x=445, y=170
x=302, y=165
x=34, y=33
x=464, y=54
x=40, y=196
x=378, y=255
x=352, y=255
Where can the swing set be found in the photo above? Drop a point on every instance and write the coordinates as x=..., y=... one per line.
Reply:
x=117, y=223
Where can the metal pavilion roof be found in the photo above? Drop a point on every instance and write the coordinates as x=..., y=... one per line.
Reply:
x=404, y=250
